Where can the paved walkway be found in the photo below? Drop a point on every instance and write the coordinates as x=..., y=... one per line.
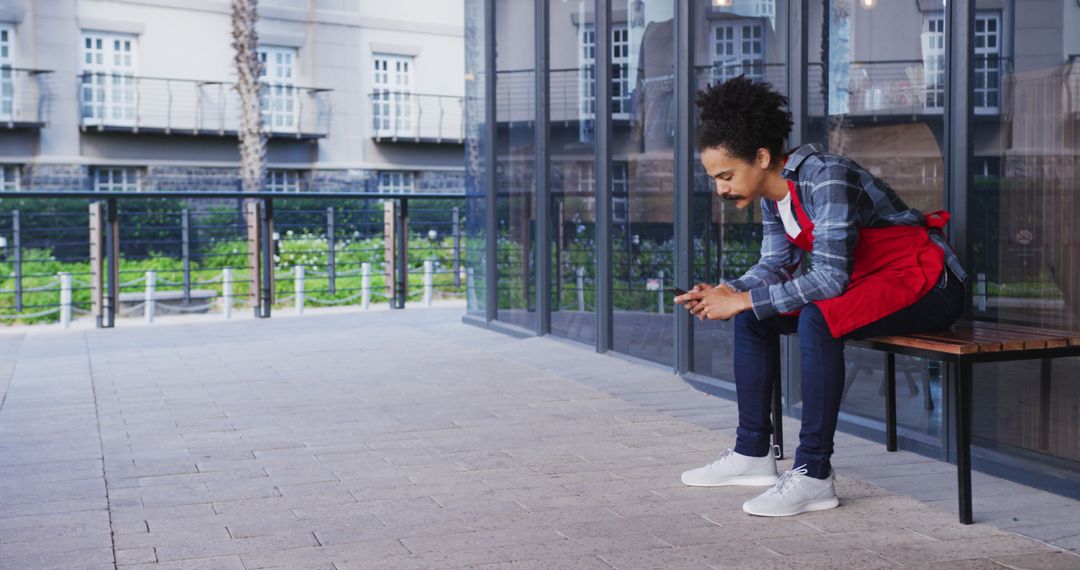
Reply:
x=408, y=440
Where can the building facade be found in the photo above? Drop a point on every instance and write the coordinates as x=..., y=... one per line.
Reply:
x=138, y=95
x=587, y=196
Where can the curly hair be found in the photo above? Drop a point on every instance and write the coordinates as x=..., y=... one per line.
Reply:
x=741, y=116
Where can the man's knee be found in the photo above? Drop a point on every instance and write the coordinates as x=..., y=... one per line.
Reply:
x=747, y=323
x=812, y=321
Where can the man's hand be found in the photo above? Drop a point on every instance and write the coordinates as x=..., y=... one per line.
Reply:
x=715, y=303
x=685, y=300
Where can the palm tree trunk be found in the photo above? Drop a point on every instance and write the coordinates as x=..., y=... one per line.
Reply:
x=252, y=140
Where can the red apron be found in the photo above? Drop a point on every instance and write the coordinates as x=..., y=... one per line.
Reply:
x=894, y=268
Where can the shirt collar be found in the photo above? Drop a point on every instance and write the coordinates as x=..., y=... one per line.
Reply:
x=797, y=157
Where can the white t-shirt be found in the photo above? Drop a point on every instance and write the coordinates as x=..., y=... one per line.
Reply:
x=791, y=226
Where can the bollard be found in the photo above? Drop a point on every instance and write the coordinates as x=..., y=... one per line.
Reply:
x=581, y=289
x=365, y=285
x=65, y=299
x=980, y=292
x=149, y=306
x=470, y=288
x=299, y=288
x=429, y=286
x=660, y=296
x=226, y=291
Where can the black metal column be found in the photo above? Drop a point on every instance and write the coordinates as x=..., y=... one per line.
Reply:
x=266, y=221
x=491, y=252
x=890, y=401
x=685, y=90
x=401, y=276
x=16, y=244
x=605, y=331
x=963, y=440
x=542, y=163
x=185, y=246
x=959, y=118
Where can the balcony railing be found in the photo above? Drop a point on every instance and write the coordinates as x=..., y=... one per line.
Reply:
x=125, y=103
x=24, y=98
x=399, y=116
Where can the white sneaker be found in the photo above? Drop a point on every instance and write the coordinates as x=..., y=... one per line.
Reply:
x=794, y=493
x=733, y=469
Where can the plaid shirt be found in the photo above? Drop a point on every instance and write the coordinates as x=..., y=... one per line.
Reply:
x=840, y=197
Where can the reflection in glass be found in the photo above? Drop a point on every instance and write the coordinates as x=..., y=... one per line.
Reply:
x=1025, y=239
x=741, y=38
x=573, y=179
x=643, y=128
x=475, y=166
x=515, y=160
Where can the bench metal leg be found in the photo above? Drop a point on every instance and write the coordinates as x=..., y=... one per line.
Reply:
x=890, y=401
x=963, y=439
x=777, y=420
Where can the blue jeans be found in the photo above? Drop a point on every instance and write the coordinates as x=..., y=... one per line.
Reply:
x=757, y=363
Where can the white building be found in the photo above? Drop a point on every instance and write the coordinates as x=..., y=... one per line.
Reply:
x=361, y=95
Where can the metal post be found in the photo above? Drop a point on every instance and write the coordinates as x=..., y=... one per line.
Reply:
x=16, y=238
x=253, y=225
x=959, y=116
x=685, y=93
x=559, y=219
x=890, y=401
x=331, y=258
x=660, y=294
x=365, y=285
x=298, y=288
x=963, y=440
x=581, y=289
x=267, y=222
x=112, y=247
x=429, y=286
x=226, y=291
x=185, y=241
x=491, y=265
x=604, y=318
x=777, y=413
x=541, y=168
x=457, y=247
x=401, y=286
x=65, y=299
x=148, y=305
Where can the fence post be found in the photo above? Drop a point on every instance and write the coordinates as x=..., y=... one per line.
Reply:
x=16, y=230
x=226, y=291
x=581, y=289
x=401, y=286
x=429, y=285
x=389, y=232
x=97, y=268
x=65, y=299
x=365, y=285
x=151, y=279
x=299, y=288
x=470, y=288
x=331, y=258
x=457, y=247
x=112, y=247
x=185, y=243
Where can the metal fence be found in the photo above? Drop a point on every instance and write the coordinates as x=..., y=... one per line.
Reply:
x=145, y=257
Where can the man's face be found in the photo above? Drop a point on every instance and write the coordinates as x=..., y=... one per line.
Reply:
x=736, y=180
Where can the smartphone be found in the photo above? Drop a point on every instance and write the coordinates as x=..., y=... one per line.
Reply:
x=675, y=291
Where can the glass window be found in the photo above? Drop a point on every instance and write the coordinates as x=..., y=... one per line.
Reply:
x=279, y=97
x=9, y=177
x=573, y=169
x=396, y=182
x=515, y=169
x=475, y=163
x=744, y=38
x=107, y=87
x=643, y=158
x=278, y=180
x=878, y=98
x=116, y=179
x=393, y=108
x=1025, y=239
x=7, y=78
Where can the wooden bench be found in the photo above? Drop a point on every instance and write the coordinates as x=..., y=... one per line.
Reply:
x=964, y=345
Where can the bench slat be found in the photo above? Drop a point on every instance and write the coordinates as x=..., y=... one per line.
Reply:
x=969, y=337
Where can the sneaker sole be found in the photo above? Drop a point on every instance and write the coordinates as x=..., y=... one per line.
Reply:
x=747, y=481
x=822, y=505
